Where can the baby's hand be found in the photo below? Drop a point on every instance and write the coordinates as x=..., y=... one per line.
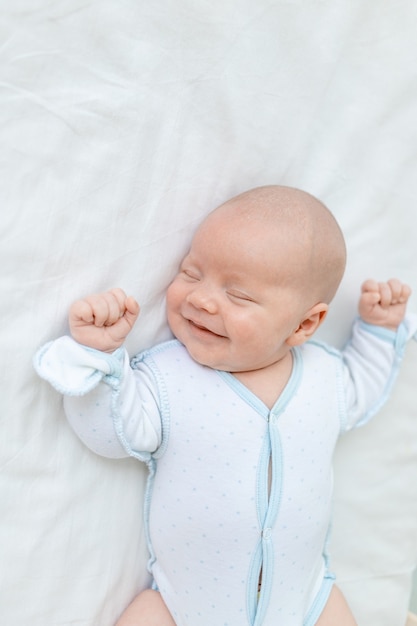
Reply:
x=103, y=321
x=384, y=304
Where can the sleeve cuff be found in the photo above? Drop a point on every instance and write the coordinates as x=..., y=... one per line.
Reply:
x=406, y=330
x=73, y=369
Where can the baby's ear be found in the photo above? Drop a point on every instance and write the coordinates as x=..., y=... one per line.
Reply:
x=312, y=320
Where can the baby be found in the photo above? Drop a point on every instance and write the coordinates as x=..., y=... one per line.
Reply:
x=237, y=417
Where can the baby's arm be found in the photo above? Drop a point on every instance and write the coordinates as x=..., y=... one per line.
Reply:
x=384, y=304
x=372, y=356
x=105, y=399
x=103, y=321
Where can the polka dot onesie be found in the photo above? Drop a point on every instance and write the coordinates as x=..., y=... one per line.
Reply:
x=237, y=493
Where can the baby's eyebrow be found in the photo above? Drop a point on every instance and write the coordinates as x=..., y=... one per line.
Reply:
x=187, y=264
x=187, y=256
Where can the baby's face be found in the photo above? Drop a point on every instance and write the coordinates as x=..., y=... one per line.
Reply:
x=230, y=305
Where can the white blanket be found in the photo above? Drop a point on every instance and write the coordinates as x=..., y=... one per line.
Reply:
x=122, y=124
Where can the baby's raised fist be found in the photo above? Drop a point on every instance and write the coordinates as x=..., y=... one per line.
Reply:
x=103, y=321
x=384, y=303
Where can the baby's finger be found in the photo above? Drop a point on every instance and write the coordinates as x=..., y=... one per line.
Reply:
x=119, y=296
x=385, y=295
x=115, y=300
x=370, y=285
x=400, y=291
x=132, y=311
x=370, y=298
x=396, y=287
x=81, y=310
x=105, y=308
x=405, y=293
x=99, y=308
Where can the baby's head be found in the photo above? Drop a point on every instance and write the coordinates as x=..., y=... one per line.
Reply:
x=258, y=279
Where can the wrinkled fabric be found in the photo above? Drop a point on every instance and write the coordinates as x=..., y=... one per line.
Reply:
x=122, y=125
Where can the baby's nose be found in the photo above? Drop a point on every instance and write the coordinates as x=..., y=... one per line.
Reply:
x=202, y=298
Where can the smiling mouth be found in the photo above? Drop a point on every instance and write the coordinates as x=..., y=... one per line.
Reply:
x=203, y=329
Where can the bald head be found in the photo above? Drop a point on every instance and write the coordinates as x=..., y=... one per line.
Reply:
x=297, y=229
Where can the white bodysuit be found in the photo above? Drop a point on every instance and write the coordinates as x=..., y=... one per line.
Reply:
x=234, y=488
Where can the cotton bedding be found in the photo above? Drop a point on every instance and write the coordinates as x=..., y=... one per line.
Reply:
x=122, y=124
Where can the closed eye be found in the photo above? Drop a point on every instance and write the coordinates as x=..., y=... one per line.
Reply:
x=190, y=275
x=240, y=296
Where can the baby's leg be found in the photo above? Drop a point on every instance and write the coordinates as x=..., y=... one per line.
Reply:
x=336, y=611
x=147, y=609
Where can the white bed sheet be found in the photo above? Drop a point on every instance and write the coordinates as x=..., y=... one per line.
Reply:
x=122, y=124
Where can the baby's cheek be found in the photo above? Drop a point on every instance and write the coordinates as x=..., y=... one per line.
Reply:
x=246, y=334
x=173, y=296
